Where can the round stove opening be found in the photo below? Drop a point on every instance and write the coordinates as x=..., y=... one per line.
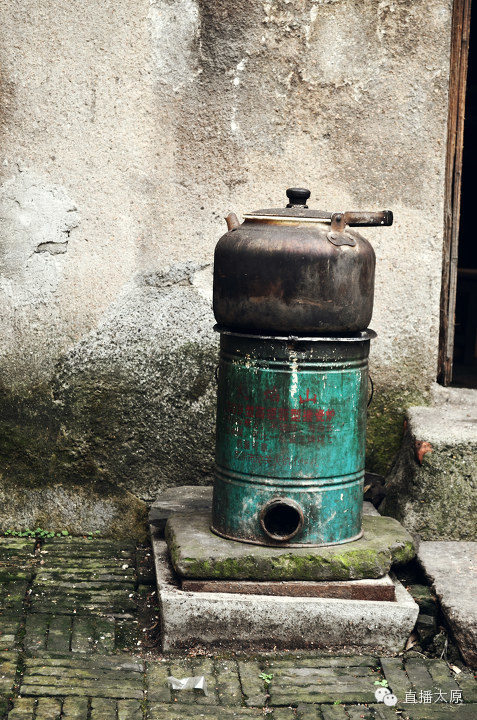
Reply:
x=281, y=519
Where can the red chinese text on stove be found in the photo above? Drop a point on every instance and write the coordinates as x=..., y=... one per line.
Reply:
x=259, y=412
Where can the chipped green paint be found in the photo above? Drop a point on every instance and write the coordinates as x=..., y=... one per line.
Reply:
x=291, y=423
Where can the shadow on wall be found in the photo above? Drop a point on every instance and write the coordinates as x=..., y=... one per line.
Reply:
x=130, y=410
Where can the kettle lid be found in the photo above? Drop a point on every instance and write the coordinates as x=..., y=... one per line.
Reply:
x=296, y=208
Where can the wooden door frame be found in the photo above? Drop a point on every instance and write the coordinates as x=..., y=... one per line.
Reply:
x=453, y=183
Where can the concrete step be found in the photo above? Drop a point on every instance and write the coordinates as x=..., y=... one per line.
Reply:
x=432, y=486
x=197, y=553
x=451, y=567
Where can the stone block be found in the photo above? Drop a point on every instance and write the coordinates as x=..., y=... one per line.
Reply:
x=197, y=553
x=103, y=709
x=443, y=679
x=396, y=676
x=334, y=712
x=75, y=708
x=432, y=486
x=158, y=689
x=467, y=682
x=185, y=498
x=228, y=683
x=422, y=594
x=253, y=686
x=225, y=619
x=8, y=667
x=442, y=711
x=9, y=630
x=426, y=628
x=48, y=709
x=23, y=709
x=59, y=634
x=452, y=569
x=129, y=710
x=192, y=711
x=303, y=684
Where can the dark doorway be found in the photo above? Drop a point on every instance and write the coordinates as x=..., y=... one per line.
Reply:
x=465, y=331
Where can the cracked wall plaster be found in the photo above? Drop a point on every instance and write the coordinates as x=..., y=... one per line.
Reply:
x=35, y=217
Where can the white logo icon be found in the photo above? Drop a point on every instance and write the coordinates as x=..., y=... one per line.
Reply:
x=380, y=693
x=385, y=695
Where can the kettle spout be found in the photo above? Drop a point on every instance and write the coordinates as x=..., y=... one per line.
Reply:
x=232, y=221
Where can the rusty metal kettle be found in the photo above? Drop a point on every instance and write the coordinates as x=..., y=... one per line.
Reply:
x=296, y=270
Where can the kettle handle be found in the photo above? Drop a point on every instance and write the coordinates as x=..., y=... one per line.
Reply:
x=363, y=218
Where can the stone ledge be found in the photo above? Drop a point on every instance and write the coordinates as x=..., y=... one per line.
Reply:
x=185, y=498
x=446, y=425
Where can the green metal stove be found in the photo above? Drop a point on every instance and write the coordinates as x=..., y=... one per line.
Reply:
x=293, y=296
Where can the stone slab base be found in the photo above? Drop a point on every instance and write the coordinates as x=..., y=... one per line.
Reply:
x=452, y=569
x=263, y=621
x=185, y=498
x=197, y=553
x=377, y=589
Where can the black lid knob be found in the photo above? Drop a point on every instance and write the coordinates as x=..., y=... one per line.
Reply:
x=298, y=196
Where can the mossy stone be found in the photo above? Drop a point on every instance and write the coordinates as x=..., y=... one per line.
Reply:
x=385, y=426
x=434, y=495
x=196, y=552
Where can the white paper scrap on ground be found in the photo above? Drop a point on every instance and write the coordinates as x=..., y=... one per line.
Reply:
x=189, y=683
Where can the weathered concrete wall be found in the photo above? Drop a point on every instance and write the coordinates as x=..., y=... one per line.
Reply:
x=128, y=129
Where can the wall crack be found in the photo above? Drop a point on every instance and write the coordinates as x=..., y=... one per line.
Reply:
x=53, y=248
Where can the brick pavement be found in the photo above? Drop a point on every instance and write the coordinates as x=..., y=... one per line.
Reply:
x=72, y=648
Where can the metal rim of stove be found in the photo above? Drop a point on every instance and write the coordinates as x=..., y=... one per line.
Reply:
x=361, y=336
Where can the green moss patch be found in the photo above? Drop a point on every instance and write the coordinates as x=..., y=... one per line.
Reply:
x=385, y=428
